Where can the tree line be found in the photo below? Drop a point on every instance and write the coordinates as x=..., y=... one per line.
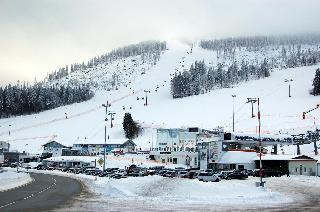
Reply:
x=201, y=79
x=293, y=51
x=25, y=99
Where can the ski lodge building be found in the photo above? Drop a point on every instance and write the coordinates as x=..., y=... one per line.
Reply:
x=204, y=149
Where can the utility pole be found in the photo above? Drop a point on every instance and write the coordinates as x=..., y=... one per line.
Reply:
x=233, y=96
x=104, y=148
x=288, y=81
x=252, y=101
x=111, y=114
x=106, y=106
x=260, y=147
x=146, y=91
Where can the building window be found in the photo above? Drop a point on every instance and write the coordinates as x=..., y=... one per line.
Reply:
x=232, y=166
x=163, y=160
x=175, y=160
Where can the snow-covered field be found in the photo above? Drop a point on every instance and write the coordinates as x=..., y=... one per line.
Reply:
x=11, y=179
x=86, y=120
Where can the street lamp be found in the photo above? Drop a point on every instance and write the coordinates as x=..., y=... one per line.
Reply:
x=252, y=101
x=233, y=96
x=288, y=81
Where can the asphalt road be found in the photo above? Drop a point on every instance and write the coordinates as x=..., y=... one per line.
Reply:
x=46, y=192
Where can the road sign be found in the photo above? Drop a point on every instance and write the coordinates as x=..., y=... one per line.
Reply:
x=100, y=161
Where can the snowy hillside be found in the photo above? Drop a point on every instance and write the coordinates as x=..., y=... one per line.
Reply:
x=111, y=70
x=86, y=120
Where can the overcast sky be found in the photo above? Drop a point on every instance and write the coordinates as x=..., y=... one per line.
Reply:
x=38, y=36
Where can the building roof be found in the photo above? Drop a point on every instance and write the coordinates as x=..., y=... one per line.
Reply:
x=274, y=157
x=101, y=141
x=284, y=157
x=54, y=142
x=231, y=157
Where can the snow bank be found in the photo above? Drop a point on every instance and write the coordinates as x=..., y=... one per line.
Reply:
x=11, y=179
x=185, y=191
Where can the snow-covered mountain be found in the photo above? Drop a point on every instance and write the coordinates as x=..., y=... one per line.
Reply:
x=87, y=120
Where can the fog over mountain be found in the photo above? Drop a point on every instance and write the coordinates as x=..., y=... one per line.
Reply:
x=38, y=36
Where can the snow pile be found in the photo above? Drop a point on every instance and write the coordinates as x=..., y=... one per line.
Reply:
x=10, y=179
x=156, y=188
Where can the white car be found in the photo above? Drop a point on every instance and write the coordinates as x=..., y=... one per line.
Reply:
x=207, y=176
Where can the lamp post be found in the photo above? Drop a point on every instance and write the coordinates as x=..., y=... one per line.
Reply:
x=233, y=96
x=252, y=101
x=288, y=81
x=146, y=91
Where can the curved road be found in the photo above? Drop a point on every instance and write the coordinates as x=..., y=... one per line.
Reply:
x=46, y=192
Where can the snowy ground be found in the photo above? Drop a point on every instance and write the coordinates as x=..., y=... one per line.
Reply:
x=179, y=191
x=11, y=179
x=148, y=193
x=155, y=193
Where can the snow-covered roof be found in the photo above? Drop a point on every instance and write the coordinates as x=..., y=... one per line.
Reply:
x=283, y=157
x=232, y=157
x=101, y=141
x=73, y=158
x=275, y=157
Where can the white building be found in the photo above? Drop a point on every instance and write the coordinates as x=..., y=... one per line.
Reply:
x=54, y=149
x=176, y=146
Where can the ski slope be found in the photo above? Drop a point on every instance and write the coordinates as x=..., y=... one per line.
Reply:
x=87, y=120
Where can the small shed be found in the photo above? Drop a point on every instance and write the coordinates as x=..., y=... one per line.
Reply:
x=303, y=165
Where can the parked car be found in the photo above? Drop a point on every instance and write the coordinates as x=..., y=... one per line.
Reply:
x=78, y=170
x=237, y=175
x=39, y=167
x=170, y=174
x=14, y=165
x=190, y=174
x=207, y=176
x=182, y=174
x=268, y=173
x=91, y=171
x=162, y=172
x=224, y=174
x=27, y=167
x=4, y=164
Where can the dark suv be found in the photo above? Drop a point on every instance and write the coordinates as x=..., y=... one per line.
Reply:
x=237, y=175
